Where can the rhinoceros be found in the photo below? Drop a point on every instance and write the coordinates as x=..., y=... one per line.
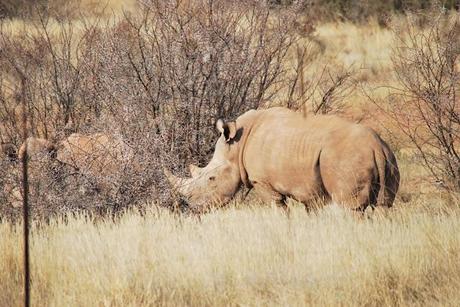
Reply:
x=98, y=154
x=280, y=153
x=36, y=146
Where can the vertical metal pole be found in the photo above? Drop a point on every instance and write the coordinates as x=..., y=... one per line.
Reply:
x=25, y=204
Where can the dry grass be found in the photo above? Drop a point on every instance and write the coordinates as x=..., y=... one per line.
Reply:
x=367, y=47
x=240, y=256
x=363, y=50
x=255, y=255
x=108, y=7
x=85, y=11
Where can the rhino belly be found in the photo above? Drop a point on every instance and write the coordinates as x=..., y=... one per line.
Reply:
x=299, y=178
x=304, y=186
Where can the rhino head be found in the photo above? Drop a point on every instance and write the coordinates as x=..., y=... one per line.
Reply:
x=216, y=183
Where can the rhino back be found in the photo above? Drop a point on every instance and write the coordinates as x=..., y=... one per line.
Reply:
x=98, y=153
x=308, y=157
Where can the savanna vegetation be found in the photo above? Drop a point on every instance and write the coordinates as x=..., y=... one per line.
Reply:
x=240, y=256
x=155, y=76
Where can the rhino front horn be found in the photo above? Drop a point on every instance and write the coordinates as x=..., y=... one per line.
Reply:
x=176, y=183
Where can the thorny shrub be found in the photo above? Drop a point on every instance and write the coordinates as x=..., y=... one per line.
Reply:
x=158, y=80
x=363, y=10
x=426, y=106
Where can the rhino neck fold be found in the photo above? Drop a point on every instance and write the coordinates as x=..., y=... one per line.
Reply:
x=247, y=123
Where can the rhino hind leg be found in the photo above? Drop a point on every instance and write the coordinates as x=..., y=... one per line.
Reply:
x=357, y=198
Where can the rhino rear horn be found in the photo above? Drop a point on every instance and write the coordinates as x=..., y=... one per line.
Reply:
x=194, y=170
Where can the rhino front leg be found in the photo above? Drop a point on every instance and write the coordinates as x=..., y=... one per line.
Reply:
x=268, y=195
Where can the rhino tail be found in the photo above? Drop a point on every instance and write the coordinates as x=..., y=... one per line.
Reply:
x=380, y=162
x=388, y=177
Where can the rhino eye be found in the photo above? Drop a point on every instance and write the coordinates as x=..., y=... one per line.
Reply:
x=212, y=178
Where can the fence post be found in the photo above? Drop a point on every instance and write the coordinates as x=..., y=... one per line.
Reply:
x=25, y=199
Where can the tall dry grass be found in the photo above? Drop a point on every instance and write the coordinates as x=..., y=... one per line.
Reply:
x=256, y=255
x=240, y=256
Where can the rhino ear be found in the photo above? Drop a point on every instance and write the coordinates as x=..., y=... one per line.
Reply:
x=220, y=125
x=227, y=129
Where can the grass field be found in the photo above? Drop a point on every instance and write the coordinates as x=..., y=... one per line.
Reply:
x=240, y=256
x=253, y=254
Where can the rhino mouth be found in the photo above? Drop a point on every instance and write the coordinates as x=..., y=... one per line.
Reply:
x=208, y=187
x=183, y=205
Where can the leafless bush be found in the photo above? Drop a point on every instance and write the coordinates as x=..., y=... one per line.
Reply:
x=157, y=80
x=180, y=66
x=363, y=10
x=52, y=60
x=321, y=93
x=427, y=108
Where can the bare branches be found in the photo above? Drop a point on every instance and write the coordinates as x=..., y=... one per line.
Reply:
x=332, y=99
x=427, y=109
x=321, y=93
x=157, y=80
